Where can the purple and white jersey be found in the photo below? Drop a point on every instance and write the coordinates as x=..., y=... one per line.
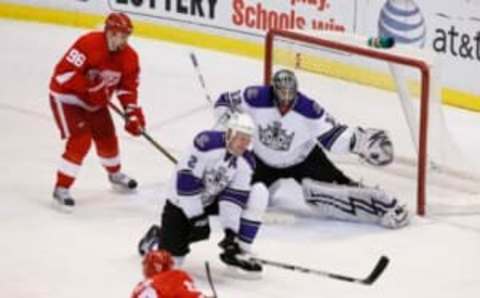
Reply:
x=208, y=172
x=283, y=141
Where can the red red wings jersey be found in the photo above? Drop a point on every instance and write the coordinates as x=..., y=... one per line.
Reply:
x=167, y=284
x=89, y=61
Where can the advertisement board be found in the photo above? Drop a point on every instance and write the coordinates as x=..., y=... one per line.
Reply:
x=452, y=31
x=246, y=18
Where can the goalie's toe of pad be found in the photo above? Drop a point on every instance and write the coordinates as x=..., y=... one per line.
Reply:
x=396, y=217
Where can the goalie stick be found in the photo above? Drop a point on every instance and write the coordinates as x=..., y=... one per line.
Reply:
x=370, y=279
x=146, y=135
x=200, y=77
x=220, y=122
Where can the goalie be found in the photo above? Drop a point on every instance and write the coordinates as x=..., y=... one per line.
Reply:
x=292, y=131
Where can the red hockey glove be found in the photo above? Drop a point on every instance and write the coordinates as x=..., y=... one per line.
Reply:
x=98, y=94
x=135, y=121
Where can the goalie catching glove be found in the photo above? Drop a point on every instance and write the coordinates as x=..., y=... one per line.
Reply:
x=134, y=120
x=372, y=145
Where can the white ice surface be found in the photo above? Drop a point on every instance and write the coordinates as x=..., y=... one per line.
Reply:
x=92, y=252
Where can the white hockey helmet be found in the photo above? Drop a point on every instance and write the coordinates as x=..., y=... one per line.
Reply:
x=240, y=122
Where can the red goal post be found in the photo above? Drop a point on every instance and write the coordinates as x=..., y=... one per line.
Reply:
x=377, y=54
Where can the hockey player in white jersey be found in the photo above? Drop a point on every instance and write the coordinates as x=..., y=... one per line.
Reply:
x=213, y=177
x=292, y=131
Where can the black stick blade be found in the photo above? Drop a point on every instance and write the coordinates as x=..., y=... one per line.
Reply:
x=377, y=271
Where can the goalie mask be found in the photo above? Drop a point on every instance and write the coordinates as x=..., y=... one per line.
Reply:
x=240, y=129
x=284, y=85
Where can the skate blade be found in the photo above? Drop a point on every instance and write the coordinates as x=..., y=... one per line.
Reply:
x=236, y=272
x=123, y=189
x=62, y=208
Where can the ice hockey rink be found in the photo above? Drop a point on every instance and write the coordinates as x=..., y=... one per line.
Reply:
x=92, y=252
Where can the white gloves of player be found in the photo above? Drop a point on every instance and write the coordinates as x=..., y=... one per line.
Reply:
x=372, y=145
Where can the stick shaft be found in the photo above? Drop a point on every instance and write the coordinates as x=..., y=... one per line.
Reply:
x=146, y=135
x=196, y=66
x=370, y=279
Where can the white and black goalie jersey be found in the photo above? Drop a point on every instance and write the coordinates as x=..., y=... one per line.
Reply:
x=208, y=172
x=285, y=140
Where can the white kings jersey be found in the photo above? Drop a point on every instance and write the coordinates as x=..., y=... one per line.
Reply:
x=283, y=141
x=208, y=172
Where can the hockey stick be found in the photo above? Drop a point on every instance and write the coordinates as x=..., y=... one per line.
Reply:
x=145, y=135
x=196, y=66
x=210, y=280
x=220, y=122
x=370, y=279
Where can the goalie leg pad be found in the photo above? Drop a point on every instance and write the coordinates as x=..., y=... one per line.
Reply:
x=353, y=203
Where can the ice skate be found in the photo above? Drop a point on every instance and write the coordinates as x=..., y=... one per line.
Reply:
x=121, y=182
x=63, y=200
x=239, y=261
x=150, y=241
x=242, y=265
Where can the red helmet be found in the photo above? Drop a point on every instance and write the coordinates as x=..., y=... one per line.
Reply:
x=157, y=261
x=118, y=21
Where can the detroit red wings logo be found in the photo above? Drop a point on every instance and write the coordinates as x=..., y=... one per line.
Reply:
x=110, y=77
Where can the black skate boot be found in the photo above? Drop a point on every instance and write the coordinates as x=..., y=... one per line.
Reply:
x=240, y=260
x=150, y=241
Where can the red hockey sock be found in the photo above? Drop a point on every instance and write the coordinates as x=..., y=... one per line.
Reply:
x=108, y=152
x=75, y=151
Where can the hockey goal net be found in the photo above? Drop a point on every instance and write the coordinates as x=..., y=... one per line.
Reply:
x=396, y=89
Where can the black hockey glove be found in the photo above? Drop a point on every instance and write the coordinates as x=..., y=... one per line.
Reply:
x=199, y=228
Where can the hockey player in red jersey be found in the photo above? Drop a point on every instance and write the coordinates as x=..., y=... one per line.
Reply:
x=162, y=281
x=98, y=65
